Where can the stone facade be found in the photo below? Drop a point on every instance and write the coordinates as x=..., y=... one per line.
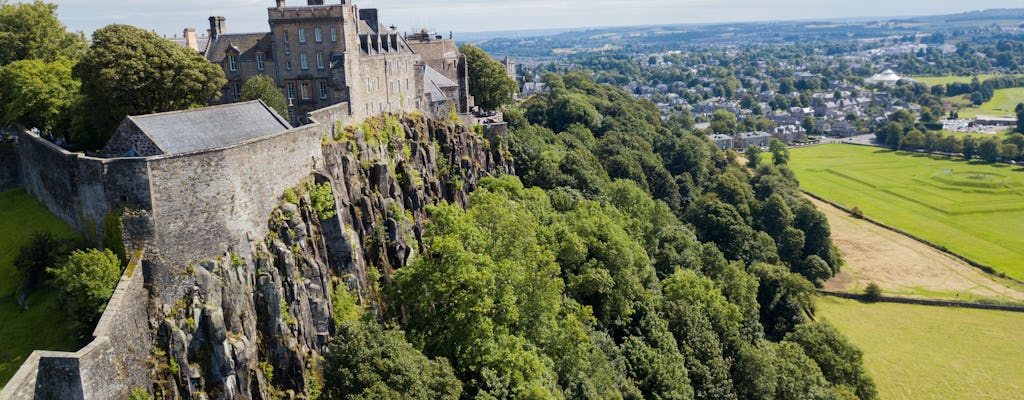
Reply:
x=325, y=54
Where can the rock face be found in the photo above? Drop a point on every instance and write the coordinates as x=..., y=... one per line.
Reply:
x=252, y=324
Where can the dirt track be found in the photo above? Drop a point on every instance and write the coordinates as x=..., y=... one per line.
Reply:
x=903, y=266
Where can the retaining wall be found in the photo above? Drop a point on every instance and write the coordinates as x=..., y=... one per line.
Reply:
x=8, y=165
x=109, y=366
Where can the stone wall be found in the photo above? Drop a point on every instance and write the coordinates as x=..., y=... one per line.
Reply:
x=210, y=203
x=8, y=165
x=109, y=366
x=81, y=190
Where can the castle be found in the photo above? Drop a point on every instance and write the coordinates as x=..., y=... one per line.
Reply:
x=325, y=54
x=193, y=185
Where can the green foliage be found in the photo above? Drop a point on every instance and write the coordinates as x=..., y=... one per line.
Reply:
x=841, y=362
x=290, y=196
x=489, y=83
x=31, y=31
x=369, y=362
x=44, y=250
x=753, y=155
x=322, y=198
x=131, y=71
x=139, y=394
x=113, y=235
x=262, y=87
x=86, y=280
x=36, y=93
x=872, y=292
x=344, y=305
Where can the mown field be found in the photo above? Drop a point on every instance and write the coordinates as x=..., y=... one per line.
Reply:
x=43, y=325
x=943, y=80
x=972, y=208
x=1003, y=103
x=924, y=352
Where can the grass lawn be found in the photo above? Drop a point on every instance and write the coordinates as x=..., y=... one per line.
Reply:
x=924, y=352
x=942, y=80
x=1003, y=103
x=44, y=325
x=974, y=209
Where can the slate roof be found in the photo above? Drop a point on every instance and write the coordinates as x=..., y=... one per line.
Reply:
x=210, y=127
x=434, y=84
x=246, y=43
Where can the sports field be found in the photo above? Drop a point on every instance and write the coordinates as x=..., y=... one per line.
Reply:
x=43, y=326
x=925, y=352
x=971, y=208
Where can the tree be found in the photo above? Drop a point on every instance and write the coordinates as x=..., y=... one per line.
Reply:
x=131, y=71
x=1020, y=117
x=809, y=125
x=753, y=156
x=723, y=122
x=988, y=150
x=367, y=361
x=86, y=280
x=913, y=140
x=36, y=93
x=42, y=251
x=263, y=88
x=840, y=361
x=780, y=154
x=488, y=81
x=31, y=31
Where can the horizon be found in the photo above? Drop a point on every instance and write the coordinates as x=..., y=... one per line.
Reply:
x=472, y=16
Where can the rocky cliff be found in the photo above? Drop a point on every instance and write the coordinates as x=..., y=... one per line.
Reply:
x=253, y=323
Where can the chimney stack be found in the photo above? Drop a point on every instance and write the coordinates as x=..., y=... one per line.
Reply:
x=280, y=3
x=190, y=39
x=217, y=27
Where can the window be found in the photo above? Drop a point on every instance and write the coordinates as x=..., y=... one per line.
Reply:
x=303, y=61
x=334, y=35
x=305, y=90
x=259, y=61
x=288, y=65
x=317, y=36
x=302, y=35
x=287, y=49
x=319, y=60
x=368, y=87
x=323, y=89
x=233, y=62
x=236, y=91
x=291, y=90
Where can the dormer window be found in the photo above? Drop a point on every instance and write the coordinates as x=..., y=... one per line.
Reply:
x=232, y=62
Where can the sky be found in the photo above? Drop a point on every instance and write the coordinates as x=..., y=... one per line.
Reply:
x=171, y=17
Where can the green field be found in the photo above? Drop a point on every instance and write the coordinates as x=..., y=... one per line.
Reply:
x=43, y=325
x=1003, y=103
x=925, y=352
x=971, y=208
x=942, y=80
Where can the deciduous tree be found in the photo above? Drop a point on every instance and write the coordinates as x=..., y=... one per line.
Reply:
x=488, y=81
x=36, y=93
x=31, y=31
x=263, y=88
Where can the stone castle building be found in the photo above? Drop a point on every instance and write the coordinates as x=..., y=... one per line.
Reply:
x=325, y=54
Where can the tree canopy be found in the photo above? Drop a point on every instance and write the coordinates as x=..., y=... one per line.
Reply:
x=489, y=83
x=37, y=93
x=262, y=87
x=131, y=71
x=31, y=31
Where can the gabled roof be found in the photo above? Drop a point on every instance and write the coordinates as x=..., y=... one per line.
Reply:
x=434, y=84
x=210, y=127
x=244, y=43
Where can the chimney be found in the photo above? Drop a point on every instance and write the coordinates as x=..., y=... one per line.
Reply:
x=216, y=27
x=190, y=39
x=315, y=2
x=280, y=3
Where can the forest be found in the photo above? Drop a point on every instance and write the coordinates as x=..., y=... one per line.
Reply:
x=629, y=259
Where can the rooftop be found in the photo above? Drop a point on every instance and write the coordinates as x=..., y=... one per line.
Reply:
x=210, y=127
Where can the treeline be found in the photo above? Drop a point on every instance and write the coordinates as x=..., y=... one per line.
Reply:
x=902, y=133
x=631, y=259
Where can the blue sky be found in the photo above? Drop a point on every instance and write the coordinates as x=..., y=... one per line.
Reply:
x=170, y=17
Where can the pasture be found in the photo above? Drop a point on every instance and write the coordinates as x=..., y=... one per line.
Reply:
x=925, y=352
x=942, y=80
x=1003, y=103
x=974, y=209
x=43, y=325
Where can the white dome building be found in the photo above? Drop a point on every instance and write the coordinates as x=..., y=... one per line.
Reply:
x=888, y=77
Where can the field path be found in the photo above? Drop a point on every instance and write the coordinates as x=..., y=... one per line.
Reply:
x=903, y=266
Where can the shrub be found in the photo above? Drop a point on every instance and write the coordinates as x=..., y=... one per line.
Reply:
x=86, y=280
x=44, y=250
x=856, y=212
x=872, y=292
x=323, y=200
